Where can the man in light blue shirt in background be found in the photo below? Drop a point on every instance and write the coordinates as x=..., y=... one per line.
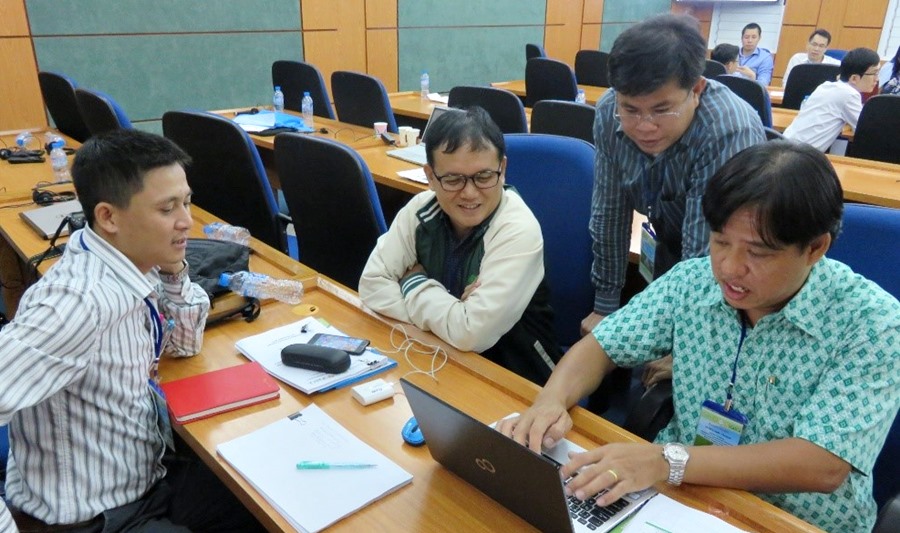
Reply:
x=755, y=63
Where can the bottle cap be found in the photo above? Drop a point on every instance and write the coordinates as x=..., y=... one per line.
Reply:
x=305, y=93
x=57, y=143
x=224, y=279
x=278, y=87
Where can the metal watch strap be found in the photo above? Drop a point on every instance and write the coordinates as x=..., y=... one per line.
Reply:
x=671, y=453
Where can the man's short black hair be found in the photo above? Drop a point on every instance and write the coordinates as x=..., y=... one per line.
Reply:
x=820, y=32
x=656, y=51
x=858, y=61
x=791, y=186
x=724, y=53
x=473, y=128
x=751, y=26
x=111, y=166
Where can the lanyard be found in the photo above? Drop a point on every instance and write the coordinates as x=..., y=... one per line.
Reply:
x=651, y=195
x=729, y=400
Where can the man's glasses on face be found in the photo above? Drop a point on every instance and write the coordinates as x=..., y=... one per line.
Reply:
x=485, y=179
x=658, y=119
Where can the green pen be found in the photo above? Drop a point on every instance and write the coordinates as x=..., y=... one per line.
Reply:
x=318, y=465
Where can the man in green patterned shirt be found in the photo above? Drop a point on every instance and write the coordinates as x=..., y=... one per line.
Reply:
x=785, y=360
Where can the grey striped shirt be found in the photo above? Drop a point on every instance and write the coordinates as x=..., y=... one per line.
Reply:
x=627, y=180
x=74, y=381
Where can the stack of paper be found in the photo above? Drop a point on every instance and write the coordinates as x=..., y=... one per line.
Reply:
x=311, y=500
x=266, y=349
x=665, y=514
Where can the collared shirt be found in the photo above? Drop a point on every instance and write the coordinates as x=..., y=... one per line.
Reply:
x=74, y=368
x=802, y=58
x=825, y=368
x=760, y=61
x=674, y=182
x=823, y=115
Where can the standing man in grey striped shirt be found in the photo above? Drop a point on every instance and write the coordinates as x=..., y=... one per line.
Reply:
x=661, y=132
x=87, y=442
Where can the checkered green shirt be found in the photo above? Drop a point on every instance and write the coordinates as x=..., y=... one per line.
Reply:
x=825, y=368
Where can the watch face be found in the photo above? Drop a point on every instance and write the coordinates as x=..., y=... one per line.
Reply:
x=676, y=453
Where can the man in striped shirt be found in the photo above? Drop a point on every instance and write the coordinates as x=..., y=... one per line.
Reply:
x=87, y=439
x=661, y=132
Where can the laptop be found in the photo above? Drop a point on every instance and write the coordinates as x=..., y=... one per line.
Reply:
x=46, y=220
x=524, y=482
x=416, y=154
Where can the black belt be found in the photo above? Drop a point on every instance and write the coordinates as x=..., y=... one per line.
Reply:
x=29, y=524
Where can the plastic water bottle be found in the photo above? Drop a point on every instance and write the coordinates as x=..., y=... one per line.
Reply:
x=278, y=100
x=227, y=232
x=306, y=107
x=580, y=98
x=59, y=161
x=424, y=85
x=261, y=286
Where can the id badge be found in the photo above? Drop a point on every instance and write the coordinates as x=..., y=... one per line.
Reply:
x=162, y=414
x=718, y=426
x=648, y=252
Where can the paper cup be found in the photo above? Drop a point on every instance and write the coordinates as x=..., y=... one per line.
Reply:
x=380, y=127
x=413, y=136
x=403, y=137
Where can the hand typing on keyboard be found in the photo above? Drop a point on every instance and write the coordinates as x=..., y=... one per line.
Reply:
x=544, y=424
x=619, y=468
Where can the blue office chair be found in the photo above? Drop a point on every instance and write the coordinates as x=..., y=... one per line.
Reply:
x=534, y=50
x=58, y=91
x=333, y=203
x=592, y=68
x=803, y=81
x=100, y=112
x=751, y=92
x=361, y=99
x=558, y=117
x=226, y=173
x=548, y=79
x=836, y=53
x=868, y=244
x=504, y=107
x=295, y=77
x=555, y=177
x=872, y=140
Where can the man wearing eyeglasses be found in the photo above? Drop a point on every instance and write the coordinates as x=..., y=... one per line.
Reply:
x=815, y=53
x=661, y=132
x=465, y=259
x=834, y=103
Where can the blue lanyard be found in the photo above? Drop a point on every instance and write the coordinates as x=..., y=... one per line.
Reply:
x=650, y=197
x=729, y=399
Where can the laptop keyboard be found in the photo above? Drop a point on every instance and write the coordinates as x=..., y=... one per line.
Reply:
x=587, y=512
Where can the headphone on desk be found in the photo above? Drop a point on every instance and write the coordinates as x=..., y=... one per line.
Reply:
x=21, y=156
x=42, y=197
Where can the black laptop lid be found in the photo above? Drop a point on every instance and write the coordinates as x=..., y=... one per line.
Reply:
x=522, y=481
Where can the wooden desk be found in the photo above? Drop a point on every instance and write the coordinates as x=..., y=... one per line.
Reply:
x=436, y=500
x=776, y=95
x=591, y=93
x=18, y=181
x=870, y=182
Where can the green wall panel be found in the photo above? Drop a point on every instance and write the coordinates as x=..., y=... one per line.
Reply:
x=430, y=13
x=632, y=11
x=464, y=56
x=79, y=17
x=151, y=74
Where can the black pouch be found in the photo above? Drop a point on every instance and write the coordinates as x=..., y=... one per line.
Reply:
x=208, y=258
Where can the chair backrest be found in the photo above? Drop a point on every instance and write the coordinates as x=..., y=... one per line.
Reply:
x=868, y=234
x=548, y=79
x=100, y=112
x=872, y=139
x=361, y=99
x=295, y=77
x=836, y=53
x=504, y=107
x=333, y=204
x=555, y=177
x=713, y=68
x=58, y=91
x=534, y=50
x=558, y=117
x=226, y=173
x=751, y=92
x=803, y=81
x=592, y=68
x=772, y=134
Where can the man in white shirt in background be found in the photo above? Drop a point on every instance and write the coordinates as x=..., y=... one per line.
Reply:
x=815, y=53
x=834, y=103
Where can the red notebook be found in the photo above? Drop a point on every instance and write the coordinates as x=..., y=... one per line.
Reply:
x=215, y=392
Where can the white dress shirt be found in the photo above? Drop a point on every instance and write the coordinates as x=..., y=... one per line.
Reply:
x=74, y=367
x=823, y=115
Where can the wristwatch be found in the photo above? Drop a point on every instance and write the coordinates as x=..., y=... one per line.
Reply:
x=677, y=456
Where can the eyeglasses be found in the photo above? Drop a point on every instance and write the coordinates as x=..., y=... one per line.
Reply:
x=485, y=179
x=869, y=74
x=658, y=119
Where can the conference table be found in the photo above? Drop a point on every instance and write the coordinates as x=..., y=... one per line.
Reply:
x=17, y=181
x=436, y=500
